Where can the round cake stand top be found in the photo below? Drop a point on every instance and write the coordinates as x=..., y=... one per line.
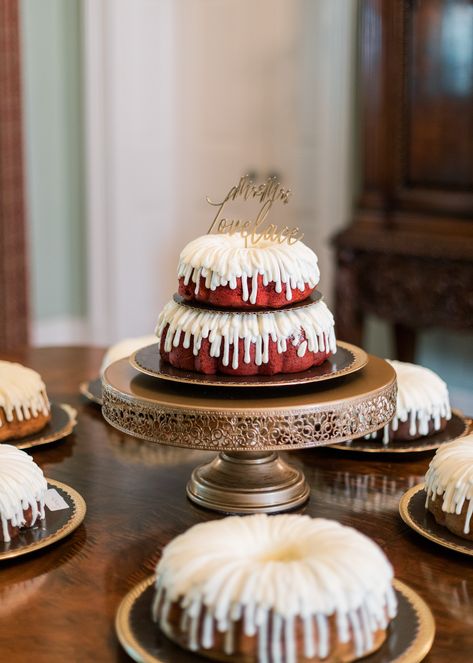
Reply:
x=220, y=419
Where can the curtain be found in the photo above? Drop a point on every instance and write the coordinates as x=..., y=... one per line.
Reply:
x=13, y=258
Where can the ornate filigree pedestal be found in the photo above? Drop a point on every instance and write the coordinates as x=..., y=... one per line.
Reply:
x=249, y=481
x=247, y=426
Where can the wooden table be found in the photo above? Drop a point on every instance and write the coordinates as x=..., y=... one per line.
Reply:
x=59, y=604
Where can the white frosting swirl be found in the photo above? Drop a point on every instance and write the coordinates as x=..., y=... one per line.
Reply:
x=224, y=329
x=125, y=348
x=22, y=392
x=222, y=259
x=273, y=569
x=22, y=485
x=450, y=475
x=422, y=398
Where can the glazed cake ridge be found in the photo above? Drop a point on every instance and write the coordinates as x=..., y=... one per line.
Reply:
x=285, y=567
x=125, y=348
x=22, y=486
x=224, y=329
x=450, y=478
x=222, y=259
x=22, y=392
x=422, y=399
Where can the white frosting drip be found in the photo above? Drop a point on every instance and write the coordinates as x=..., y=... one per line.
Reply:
x=270, y=571
x=222, y=259
x=22, y=485
x=422, y=397
x=22, y=392
x=125, y=348
x=450, y=475
x=224, y=329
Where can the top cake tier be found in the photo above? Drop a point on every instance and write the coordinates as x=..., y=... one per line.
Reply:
x=221, y=270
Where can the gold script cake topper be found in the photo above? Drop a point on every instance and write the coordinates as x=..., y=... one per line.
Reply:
x=259, y=228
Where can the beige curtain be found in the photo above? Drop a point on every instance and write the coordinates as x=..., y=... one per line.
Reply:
x=13, y=259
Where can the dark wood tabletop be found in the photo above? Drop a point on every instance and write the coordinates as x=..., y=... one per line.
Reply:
x=59, y=603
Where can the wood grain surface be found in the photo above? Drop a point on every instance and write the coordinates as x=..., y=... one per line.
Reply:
x=59, y=604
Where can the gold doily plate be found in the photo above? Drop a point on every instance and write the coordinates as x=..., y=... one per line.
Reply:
x=458, y=426
x=348, y=359
x=313, y=298
x=414, y=513
x=55, y=526
x=92, y=390
x=410, y=638
x=286, y=418
x=62, y=423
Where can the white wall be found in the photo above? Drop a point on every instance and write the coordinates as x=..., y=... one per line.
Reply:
x=181, y=99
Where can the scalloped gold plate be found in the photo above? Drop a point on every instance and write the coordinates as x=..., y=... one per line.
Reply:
x=92, y=390
x=55, y=526
x=62, y=423
x=414, y=513
x=458, y=426
x=348, y=359
x=410, y=638
x=313, y=298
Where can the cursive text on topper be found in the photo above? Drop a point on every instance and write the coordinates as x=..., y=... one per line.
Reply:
x=258, y=229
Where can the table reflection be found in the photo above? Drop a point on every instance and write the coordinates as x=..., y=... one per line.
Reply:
x=129, y=449
x=363, y=491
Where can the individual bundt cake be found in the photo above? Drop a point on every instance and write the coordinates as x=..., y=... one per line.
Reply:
x=22, y=491
x=449, y=486
x=125, y=348
x=423, y=405
x=220, y=269
x=274, y=588
x=24, y=405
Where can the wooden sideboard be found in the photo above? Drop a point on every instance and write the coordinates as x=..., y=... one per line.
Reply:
x=407, y=255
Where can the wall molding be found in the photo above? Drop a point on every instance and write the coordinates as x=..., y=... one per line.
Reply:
x=98, y=161
x=158, y=138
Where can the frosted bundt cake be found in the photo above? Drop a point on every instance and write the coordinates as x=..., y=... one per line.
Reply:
x=22, y=491
x=24, y=405
x=272, y=589
x=423, y=405
x=125, y=348
x=449, y=486
x=221, y=270
x=243, y=343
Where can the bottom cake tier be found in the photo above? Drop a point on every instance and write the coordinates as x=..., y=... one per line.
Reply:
x=211, y=341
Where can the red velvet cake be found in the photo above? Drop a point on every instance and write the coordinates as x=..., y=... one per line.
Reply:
x=246, y=343
x=221, y=270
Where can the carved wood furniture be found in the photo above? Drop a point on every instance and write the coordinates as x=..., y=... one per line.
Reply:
x=408, y=254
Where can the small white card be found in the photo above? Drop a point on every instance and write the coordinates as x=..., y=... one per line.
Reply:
x=54, y=501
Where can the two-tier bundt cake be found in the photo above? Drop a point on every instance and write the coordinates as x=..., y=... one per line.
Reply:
x=22, y=492
x=24, y=405
x=422, y=407
x=449, y=486
x=246, y=309
x=274, y=588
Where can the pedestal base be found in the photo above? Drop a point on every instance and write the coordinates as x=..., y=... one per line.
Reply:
x=248, y=482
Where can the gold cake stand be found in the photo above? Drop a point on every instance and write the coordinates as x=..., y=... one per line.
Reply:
x=247, y=427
